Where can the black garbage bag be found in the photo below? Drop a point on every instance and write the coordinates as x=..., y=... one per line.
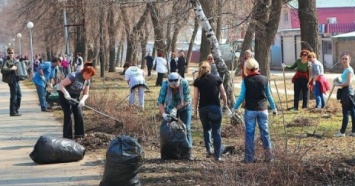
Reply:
x=173, y=140
x=56, y=150
x=124, y=158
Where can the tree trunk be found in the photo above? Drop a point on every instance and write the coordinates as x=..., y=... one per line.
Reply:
x=158, y=28
x=267, y=17
x=129, y=50
x=144, y=40
x=81, y=31
x=168, y=38
x=175, y=36
x=205, y=47
x=101, y=50
x=219, y=20
x=248, y=39
x=307, y=14
x=191, y=44
x=112, y=39
x=211, y=37
x=137, y=32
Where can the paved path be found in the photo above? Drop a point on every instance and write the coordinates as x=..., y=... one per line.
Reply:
x=17, y=138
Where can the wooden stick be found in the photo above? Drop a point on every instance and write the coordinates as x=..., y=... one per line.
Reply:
x=283, y=71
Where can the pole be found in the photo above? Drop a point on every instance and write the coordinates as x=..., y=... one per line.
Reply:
x=31, y=51
x=19, y=46
x=283, y=71
x=330, y=94
x=66, y=36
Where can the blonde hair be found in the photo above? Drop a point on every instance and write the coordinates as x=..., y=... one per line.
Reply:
x=209, y=56
x=204, y=69
x=312, y=55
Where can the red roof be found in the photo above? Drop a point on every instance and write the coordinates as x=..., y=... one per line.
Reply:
x=340, y=27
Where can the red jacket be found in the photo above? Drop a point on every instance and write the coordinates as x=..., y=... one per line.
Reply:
x=299, y=74
x=324, y=84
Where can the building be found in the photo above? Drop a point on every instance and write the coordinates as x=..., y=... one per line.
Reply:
x=343, y=43
x=334, y=17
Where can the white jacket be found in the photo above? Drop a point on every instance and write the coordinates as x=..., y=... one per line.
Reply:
x=161, y=65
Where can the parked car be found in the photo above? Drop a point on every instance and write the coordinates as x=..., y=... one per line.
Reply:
x=228, y=54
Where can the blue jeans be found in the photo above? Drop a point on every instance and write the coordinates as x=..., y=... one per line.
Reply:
x=320, y=103
x=251, y=117
x=15, y=96
x=185, y=116
x=211, y=118
x=41, y=92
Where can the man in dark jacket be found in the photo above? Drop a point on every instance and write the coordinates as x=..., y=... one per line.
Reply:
x=149, y=61
x=9, y=76
x=181, y=64
x=173, y=62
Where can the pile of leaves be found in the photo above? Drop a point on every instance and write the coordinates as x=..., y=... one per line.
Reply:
x=300, y=122
x=95, y=140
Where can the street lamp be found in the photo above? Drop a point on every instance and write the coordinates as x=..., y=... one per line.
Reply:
x=5, y=51
x=19, y=35
x=66, y=33
x=13, y=42
x=30, y=25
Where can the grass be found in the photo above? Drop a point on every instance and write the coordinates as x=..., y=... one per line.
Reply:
x=299, y=159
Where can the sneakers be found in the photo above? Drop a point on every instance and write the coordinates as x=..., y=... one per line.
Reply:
x=352, y=134
x=219, y=159
x=293, y=109
x=339, y=134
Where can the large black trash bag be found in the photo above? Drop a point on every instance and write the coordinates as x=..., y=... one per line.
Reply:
x=124, y=158
x=173, y=140
x=56, y=150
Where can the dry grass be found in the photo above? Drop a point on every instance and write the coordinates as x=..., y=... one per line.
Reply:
x=299, y=160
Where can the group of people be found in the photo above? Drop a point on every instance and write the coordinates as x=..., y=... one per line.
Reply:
x=310, y=76
x=162, y=66
x=174, y=99
x=174, y=95
x=48, y=75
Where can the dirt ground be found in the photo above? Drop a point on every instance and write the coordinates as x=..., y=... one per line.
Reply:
x=300, y=158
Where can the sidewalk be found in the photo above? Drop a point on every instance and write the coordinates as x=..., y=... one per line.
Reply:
x=18, y=136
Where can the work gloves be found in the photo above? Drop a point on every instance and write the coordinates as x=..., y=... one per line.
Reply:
x=226, y=111
x=166, y=117
x=337, y=81
x=81, y=103
x=43, y=78
x=67, y=96
x=283, y=65
x=83, y=99
x=173, y=113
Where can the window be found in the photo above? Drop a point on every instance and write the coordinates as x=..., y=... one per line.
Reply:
x=285, y=16
x=327, y=47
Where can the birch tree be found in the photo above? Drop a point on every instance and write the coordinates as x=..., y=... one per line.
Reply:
x=214, y=46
